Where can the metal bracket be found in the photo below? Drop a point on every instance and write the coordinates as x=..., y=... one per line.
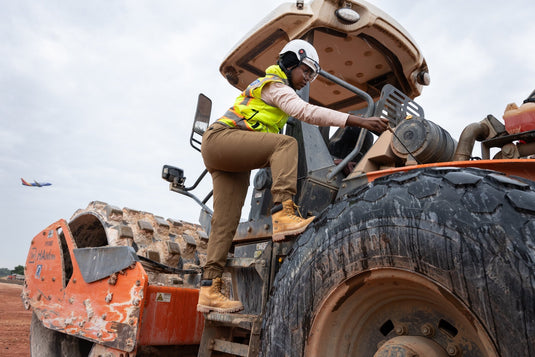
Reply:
x=100, y=262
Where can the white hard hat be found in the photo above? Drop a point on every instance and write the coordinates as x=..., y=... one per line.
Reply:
x=306, y=54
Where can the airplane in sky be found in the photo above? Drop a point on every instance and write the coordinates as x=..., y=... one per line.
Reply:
x=35, y=183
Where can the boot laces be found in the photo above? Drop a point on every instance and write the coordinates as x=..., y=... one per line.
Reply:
x=217, y=285
x=291, y=211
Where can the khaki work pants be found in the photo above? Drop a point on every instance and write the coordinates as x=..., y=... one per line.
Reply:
x=229, y=155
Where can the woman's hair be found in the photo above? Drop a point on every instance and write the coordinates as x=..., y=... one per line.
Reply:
x=288, y=61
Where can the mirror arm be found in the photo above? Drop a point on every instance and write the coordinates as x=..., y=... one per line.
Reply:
x=195, y=198
x=199, y=179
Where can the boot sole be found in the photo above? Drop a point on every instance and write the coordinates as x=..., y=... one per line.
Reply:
x=206, y=309
x=282, y=235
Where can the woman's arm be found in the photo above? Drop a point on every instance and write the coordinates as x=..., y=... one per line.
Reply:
x=285, y=98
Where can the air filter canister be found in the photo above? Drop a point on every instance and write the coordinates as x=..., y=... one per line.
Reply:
x=426, y=141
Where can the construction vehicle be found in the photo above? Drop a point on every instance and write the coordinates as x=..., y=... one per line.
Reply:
x=418, y=248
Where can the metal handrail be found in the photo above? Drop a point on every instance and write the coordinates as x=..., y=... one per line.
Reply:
x=369, y=112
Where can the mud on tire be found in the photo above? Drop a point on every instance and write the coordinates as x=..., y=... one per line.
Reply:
x=455, y=247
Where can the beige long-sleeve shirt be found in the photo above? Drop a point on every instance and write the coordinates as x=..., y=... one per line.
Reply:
x=284, y=97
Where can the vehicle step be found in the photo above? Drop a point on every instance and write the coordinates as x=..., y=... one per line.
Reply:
x=242, y=262
x=233, y=348
x=243, y=321
x=220, y=330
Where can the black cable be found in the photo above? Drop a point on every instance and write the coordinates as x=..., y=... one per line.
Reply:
x=402, y=144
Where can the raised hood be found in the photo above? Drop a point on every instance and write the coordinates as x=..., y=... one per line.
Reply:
x=368, y=54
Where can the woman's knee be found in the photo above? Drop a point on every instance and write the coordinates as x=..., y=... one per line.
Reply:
x=288, y=143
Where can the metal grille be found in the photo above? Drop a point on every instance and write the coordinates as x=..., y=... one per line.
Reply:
x=396, y=106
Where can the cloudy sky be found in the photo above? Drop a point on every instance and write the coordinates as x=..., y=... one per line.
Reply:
x=97, y=95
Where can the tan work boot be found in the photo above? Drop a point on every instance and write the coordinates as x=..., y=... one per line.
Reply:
x=286, y=222
x=211, y=298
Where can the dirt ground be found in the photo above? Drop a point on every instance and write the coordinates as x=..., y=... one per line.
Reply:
x=14, y=322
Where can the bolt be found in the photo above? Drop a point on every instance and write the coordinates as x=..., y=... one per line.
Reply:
x=53, y=278
x=138, y=283
x=104, y=316
x=135, y=302
x=427, y=330
x=99, y=334
x=113, y=279
x=71, y=300
x=74, y=281
x=452, y=350
x=401, y=330
x=249, y=229
x=266, y=227
x=109, y=297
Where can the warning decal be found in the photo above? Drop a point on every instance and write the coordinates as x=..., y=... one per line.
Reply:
x=163, y=297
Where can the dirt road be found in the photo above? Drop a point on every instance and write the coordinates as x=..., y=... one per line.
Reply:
x=14, y=322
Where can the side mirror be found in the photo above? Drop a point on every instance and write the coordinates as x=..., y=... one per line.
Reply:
x=201, y=120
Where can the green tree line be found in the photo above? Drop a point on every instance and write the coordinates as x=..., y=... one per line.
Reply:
x=19, y=269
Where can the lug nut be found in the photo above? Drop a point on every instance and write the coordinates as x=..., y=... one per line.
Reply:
x=401, y=330
x=427, y=330
x=452, y=350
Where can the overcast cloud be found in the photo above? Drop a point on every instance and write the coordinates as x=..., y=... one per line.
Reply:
x=97, y=95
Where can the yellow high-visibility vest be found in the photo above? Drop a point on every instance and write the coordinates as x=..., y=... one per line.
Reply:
x=251, y=113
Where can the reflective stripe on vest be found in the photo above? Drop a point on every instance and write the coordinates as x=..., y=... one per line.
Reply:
x=251, y=113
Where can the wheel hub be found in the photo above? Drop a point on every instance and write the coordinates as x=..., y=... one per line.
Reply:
x=410, y=346
x=413, y=315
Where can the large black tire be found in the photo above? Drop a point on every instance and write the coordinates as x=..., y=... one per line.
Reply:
x=443, y=258
x=49, y=343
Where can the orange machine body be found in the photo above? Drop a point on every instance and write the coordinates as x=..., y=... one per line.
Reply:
x=121, y=311
x=519, y=167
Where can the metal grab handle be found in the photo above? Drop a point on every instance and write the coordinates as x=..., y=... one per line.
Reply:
x=352, y=88
x=363, y=132
x=350, y=156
